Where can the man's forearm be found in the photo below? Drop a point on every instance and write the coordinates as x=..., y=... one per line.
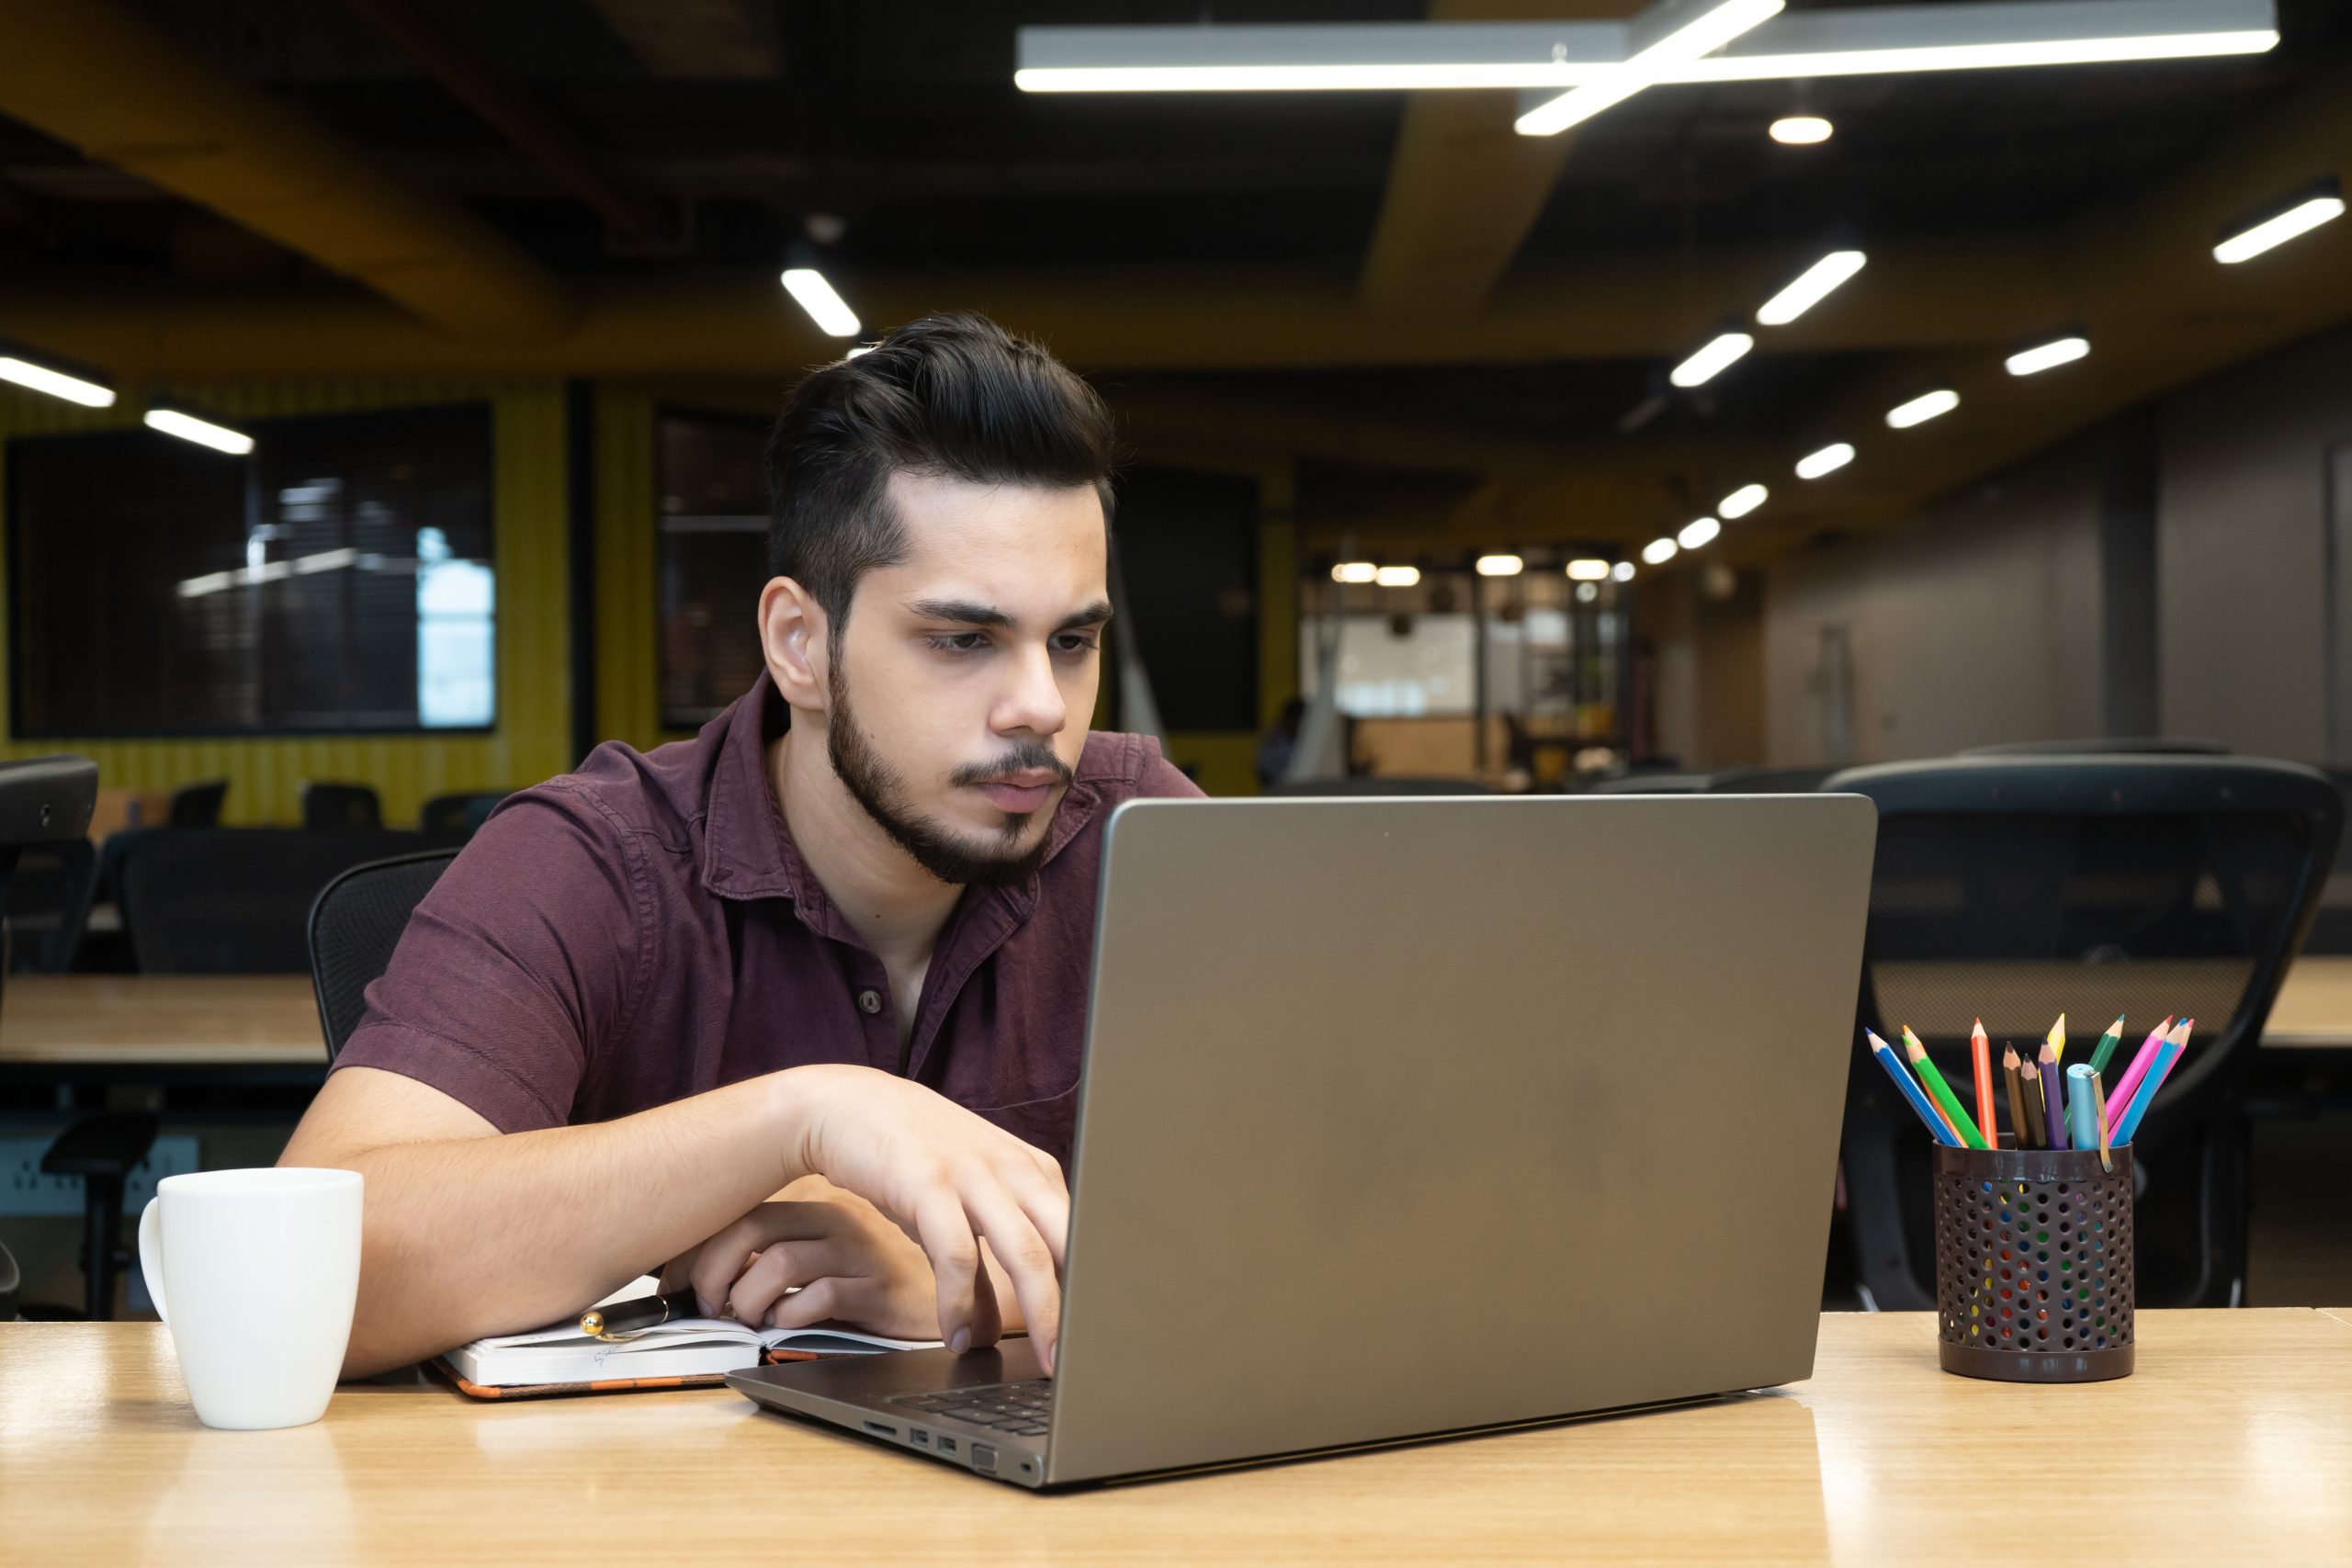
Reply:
x=470, y=1237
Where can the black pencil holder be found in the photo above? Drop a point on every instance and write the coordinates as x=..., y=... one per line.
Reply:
x=2034, y=1264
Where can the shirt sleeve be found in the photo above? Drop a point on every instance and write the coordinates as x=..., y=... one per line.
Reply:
x=1159, y=779
x=526, y=956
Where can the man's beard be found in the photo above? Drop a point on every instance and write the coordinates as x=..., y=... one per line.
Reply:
x=875, y=784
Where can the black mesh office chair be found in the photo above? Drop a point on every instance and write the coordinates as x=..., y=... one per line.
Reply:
x=48, y=905
x=2105, y=746
x=237, y=900
x=354, y=927
x=463, y=813
x=198, y=805
x=348, y=807
x=1765, y=781
x=2016, y=888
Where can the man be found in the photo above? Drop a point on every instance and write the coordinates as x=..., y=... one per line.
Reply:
x=799, y=1002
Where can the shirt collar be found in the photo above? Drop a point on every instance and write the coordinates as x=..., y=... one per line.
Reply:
x=748, y=852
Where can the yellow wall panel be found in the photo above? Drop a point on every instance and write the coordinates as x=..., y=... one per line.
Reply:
x=532, y=738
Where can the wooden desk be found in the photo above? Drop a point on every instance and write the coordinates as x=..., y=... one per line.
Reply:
x=155, y=1026
x=2315, y=1007
x=2234, y=1440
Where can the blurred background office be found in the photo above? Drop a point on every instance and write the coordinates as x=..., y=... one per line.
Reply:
x=383, y=385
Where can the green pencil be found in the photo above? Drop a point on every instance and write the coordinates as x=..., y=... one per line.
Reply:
x=2111, y=1039
x=1941, y=1092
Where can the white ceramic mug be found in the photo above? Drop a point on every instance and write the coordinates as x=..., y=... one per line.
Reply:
x=255, y=1272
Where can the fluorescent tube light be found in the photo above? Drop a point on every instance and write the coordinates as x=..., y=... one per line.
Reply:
x=827, y=310
x=1587, y=569
x=1828, y=460
x=1742, y=502
x=1398, y=576
x=203, y=432
x=1923, y=408
x=1710, y=362
x=1355, y=571
x=55, y=383
x=1316, y=57
x=1698, y=532
x=1658, y=552
x=1802, y=131
x=1812, y=286
x=1879, y=39
x=2272, y=233
x=2047, y=356
x=1704, y=34
x=1500, y=566
x=1623, y=571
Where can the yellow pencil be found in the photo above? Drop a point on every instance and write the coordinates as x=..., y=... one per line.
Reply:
x=2058, y=1039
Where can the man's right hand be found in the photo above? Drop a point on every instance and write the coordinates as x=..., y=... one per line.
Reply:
x=949, y=1178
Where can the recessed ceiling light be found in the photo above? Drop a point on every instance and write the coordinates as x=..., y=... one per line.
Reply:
x=1811, y=287
x=1355, y=571
x=1828, y=460
x=1398, y=576
x=1698, y=532
x=1500, y=566
x=1923, y=408
x=1743, y=501
x=1587, y=569
x=1710, y=362
x=2046, y=355
x=1658, y=552
x=1802, y=129
x=826, y=308
x=1623, y=571
x=2319, y=207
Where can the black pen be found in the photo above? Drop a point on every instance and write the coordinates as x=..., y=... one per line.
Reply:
x=634, y=1316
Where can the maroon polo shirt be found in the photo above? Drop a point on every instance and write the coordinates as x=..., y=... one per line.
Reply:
x=645, y=929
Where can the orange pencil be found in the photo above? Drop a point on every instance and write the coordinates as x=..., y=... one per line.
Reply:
x=1980, y=1052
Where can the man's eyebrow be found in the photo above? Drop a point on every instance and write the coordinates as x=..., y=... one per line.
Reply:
x=1093, y=615
x=970, y=612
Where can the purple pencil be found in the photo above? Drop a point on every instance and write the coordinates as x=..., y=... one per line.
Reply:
x=2054, y=1097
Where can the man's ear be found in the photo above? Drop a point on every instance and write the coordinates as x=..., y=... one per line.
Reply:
x=794, y=638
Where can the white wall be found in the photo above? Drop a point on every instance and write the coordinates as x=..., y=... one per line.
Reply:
x=2242, y=581
x=1976, y=621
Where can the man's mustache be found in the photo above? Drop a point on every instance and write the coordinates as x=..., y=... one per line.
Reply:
x=1034, y=756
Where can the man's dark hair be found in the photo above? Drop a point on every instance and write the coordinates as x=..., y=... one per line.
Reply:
x=955, y=395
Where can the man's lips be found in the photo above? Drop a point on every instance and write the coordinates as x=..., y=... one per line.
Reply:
x=1020, y=792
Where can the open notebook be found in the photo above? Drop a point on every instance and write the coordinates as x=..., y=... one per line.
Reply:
x=561, y=1359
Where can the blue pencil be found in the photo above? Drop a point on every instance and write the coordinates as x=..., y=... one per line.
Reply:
x=1916, y=1097
x=2081, y=1120
x=2145, y=1094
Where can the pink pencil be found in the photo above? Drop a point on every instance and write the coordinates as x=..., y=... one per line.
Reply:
x=2144, y=1058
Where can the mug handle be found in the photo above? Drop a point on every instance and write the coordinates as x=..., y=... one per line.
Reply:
x=150, y=1254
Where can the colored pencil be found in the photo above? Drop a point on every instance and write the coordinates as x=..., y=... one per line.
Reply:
x=2016, y=1097
x=1912, y=1094
x=2141, y=1060
x=2098, y=1107
x=2109, y=1042
x=2054, y=1098
x=1980, y=1056
x=2056, y=1040
x=2082, y=1123
x=2170, y=1059
x=1950, y=1125
x=2036, y=1121
x=1941, y=1092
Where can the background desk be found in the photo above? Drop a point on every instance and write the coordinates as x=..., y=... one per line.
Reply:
x=162, y=1028
x=2315, y=1007
x=2234, y=1440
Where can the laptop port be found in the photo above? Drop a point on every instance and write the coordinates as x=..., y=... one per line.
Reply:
x=946, y=1444
x=878, y=1427
x=919, y=1438
x=984, y=1458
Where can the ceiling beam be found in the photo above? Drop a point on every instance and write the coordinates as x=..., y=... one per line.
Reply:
x=698, y=40
x=93, y=74
x=1463, y=188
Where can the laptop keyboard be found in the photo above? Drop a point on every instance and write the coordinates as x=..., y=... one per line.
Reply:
x=1020, y=1408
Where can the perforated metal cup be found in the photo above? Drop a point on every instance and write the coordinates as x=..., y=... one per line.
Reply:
x=2034, y=1264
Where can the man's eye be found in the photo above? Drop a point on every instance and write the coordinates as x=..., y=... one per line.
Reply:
x=1075, y=642
x=957, y=642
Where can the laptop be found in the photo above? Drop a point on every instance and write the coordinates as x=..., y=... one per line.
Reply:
x=1408, y=1117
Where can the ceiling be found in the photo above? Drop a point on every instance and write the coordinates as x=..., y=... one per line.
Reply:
x=1457, y=330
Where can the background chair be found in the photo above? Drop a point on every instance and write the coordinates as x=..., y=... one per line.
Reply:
x=48, y=905
x=237, y=900
x=2016, y=888
x=1370, y=784
x=463, y=813
x=47, y=801
x=353, y=929
x=197, y=804
x=347, y=807
x=1765, y=781
x=1648, y=783
x=2105, y=746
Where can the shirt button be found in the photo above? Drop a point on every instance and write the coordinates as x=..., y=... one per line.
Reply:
x=869, y=1002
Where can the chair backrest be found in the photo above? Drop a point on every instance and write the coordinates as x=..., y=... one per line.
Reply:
x=1375, y=784
x=461, y=813
x=198, y=805
x=237, y=900
x=354, y=926
x=342, y=806
x=2105, y=746
x=1648, y=783
x=48, y=905
x=1765, y=781
x=44, y=800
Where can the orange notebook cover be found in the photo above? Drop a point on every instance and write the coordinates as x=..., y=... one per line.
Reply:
x=456, y=1379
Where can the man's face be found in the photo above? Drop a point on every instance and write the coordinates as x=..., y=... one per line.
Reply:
x=963, y=687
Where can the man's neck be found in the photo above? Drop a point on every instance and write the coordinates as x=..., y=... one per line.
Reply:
x=898, y=906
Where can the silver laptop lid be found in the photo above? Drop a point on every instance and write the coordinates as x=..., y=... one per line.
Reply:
x=1409, y=1115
